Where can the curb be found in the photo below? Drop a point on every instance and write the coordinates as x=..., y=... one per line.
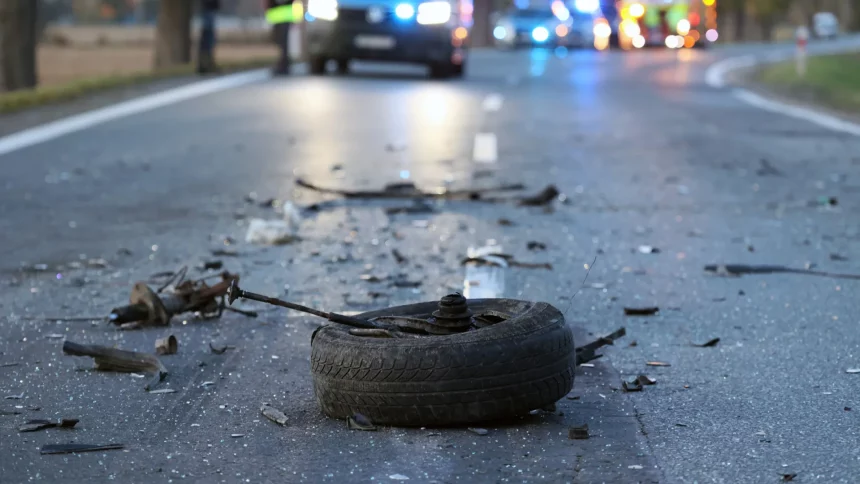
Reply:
x=718, y=76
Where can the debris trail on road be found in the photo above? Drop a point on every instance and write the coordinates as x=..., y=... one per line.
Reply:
x=492, y=255
x=408, y=190
x=75, y=319
x=741, y=269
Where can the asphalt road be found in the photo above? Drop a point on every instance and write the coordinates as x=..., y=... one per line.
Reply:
x=645, y=153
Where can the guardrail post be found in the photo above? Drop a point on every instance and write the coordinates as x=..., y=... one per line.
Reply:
x=802, y=37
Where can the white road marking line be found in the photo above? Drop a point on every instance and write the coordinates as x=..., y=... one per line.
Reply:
x=493, y=102
x=799, y=112
x=715, y=76
x=485, y=148
x=47, y=132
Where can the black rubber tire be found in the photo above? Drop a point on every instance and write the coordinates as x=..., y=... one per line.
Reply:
x=316, y=65
x=458, y=70
x=498, y=372
x=440, y=70
x=343, y=67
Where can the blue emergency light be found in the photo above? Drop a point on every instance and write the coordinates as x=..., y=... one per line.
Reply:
x=404, y=11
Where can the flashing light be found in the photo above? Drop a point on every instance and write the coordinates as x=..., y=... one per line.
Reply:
x=630, y=28
x=638, y=41
x=404, y=11
x=712, y=35
x=695, y=18
x=689, y=42
x=432, y=13
x=602, y=30
x=587, y=6
x=500, y=33
x=683, y=26
x=540, y=34
x=708, y=3
x=323, y=9
x=561, y=30
x=671, y=42
x=560, y=11
x=636, y=10
x=460, y=33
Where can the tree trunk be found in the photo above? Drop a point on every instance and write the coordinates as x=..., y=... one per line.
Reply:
x=482, y=9
x=18, y=44
x=173, y=34
x=740, y=23
x=856, y=14
x=767, y=24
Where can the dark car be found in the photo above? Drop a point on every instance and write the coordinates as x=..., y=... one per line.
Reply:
x=434, y=33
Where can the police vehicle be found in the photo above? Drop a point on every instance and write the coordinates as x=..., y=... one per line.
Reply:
x=551, y=24
x=430, y=32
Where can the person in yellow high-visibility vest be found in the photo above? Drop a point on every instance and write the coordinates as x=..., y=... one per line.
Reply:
x=281, y=14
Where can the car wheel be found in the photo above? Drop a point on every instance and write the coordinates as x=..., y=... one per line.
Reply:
x=441, y=70
x=343, y=66
x=523, y=362
x=458, y=70
x=317, y=65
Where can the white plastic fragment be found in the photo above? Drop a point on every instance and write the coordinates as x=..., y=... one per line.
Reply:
x=291, y=215
x=269, y=232
x=162, y=390
x=398, y=477
x=489, y=254
x=275, y=232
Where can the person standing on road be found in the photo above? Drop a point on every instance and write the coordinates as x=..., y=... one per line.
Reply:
x=206, y=54
x=281, y=14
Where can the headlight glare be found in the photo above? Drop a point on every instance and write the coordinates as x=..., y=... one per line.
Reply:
x=323, y=9
x=431, y=13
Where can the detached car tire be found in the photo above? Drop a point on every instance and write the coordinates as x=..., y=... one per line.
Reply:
x=500, y=371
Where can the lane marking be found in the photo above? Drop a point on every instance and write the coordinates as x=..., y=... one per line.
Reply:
x=485, y=149
x=47, y=132
x=799, y=112
x=493, y=102
x=715, y=76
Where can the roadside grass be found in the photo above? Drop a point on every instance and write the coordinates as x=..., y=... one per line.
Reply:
x=68, y=73
x=831, y=80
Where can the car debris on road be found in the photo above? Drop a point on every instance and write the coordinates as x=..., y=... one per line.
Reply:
x=737, y=270
x=147, y=308
x=77, y=448
x=112, y=359
x=41, y=424
x=273, y=414
x=342, y=353
x=168, y=345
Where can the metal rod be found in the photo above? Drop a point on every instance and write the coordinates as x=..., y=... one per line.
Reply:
x=235, y=293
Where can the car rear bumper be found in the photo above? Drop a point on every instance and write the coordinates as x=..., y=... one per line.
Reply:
x=410, y=42
x=572, y=39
